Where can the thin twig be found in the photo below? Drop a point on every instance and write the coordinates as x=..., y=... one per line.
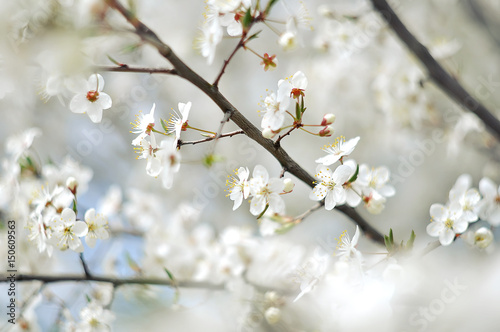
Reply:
x=85, y=266
x=301, y=217
x=208, y=139
x=239, y=119
x=127, y=69
x=437, y=73
x=240, y=44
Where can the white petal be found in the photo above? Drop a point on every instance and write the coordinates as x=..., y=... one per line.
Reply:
x=276, y=203
x=257, y=205
x=446, y=237
x=68, y=215
x=330, y=201
x=438, y=212
x=435, y=228
x=79, y=103
x=91, y=241
x=104, y=101
x=92, y=82
x=260, y=172
x=80, y=228
x=328, y=160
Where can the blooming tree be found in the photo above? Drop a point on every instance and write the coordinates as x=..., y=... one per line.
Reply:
x=315, y=231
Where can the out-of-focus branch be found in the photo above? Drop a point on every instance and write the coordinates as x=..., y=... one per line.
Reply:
x=241, y=121
x=436, y=72
x=127, y=69
x=115, y=281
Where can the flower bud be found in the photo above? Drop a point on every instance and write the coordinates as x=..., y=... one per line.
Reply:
x=326, y=132
x=72, y=184
x=268, y=133
x=273, y=315
x=328, y=119
x=288, y=185
x=483, y=237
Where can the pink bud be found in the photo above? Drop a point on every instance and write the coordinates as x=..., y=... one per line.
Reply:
x=328, y=119
x=326, y=132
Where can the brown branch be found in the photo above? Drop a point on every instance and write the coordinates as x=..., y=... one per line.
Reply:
x=240, y=44
x=440, y=76
x=115, y=281
x=239, y=119
x=127, y=69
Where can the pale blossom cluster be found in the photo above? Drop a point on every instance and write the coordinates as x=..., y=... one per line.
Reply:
x=162, y=159
x=264, y=192
x=350, y=183
x=467, y=205
x=276, y=104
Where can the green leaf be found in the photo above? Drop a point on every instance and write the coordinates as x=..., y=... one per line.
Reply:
x=409, y=244
x=388, y=244
x=247, y=19
x=113, y=60
x=355, y=175
x=297, y=111
x=270, y=4
x=170, y=275
x=133, y=265
x=211, y=159
x=255, y=35
x=88, y=298
x=391, y=237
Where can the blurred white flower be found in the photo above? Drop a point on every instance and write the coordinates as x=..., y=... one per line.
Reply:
x=489, y=206
x=97, y=224
x=446, y=222
x=337, y=150
x=95, y=318
x=39, y=233
x=148, y=150
x=482, y=238
x=330, y=185
x=90, y=99
x=310, y=273
x=374, y=202
x=376, y=179
x=143, y=125
x=346, y=248
x=66, y=231
x=170, y=160
x=17, y=145
x=210, y=38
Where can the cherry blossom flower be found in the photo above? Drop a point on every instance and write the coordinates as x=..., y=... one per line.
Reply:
x=97, y=225
x=295, y=86
x=90, y=99
x=178, y=122
x=210, y=38
x=337, y=150
x=66, y=231
x=39, y=233
x=490, y=204
x=330, y=185
x=374, y=202
x=467, y=197
x=170, y=160
x=346, y=248
x=446, y=222
x=143, y=125
x=95, y=318
x=310, y=273
x=376, y=179
x=265, y=191
x=148, y=150
x=239, y=188
x=276, y=105
x=18, y=144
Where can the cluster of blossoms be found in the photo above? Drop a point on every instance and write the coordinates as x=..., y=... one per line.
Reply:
x=466, y=205
x=220, y=14
x=264, y=191
x=350, y=183
x=291, y=89
x=162, y=158
x=43, y=195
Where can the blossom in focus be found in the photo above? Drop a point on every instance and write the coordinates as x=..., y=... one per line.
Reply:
x=147, y=150
x=467, y=197
x=276, y=105
x=239, y=188
x=295, y=86
x=265, y=191
x=143, y=125
x=337, y=150
x=67, y=231
x=90, y=99
x=330, y=185
x=178, y=122
x=346, y=248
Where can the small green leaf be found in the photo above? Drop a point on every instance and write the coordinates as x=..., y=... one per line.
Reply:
x=355, y=175
x=170, y=275
x=270, y=4
x=247, y=19
x=297, y=111
x=88, y=298
x=285, y=228
x=255, y=35
x=391, y=237
x=133, y=265
x=113, y=60
x=409, y=244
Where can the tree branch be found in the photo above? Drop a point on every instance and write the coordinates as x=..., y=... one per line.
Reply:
x=208, y=139
x=239, y=119
x=115, y=281
x=436, y=72
x=127, y=69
